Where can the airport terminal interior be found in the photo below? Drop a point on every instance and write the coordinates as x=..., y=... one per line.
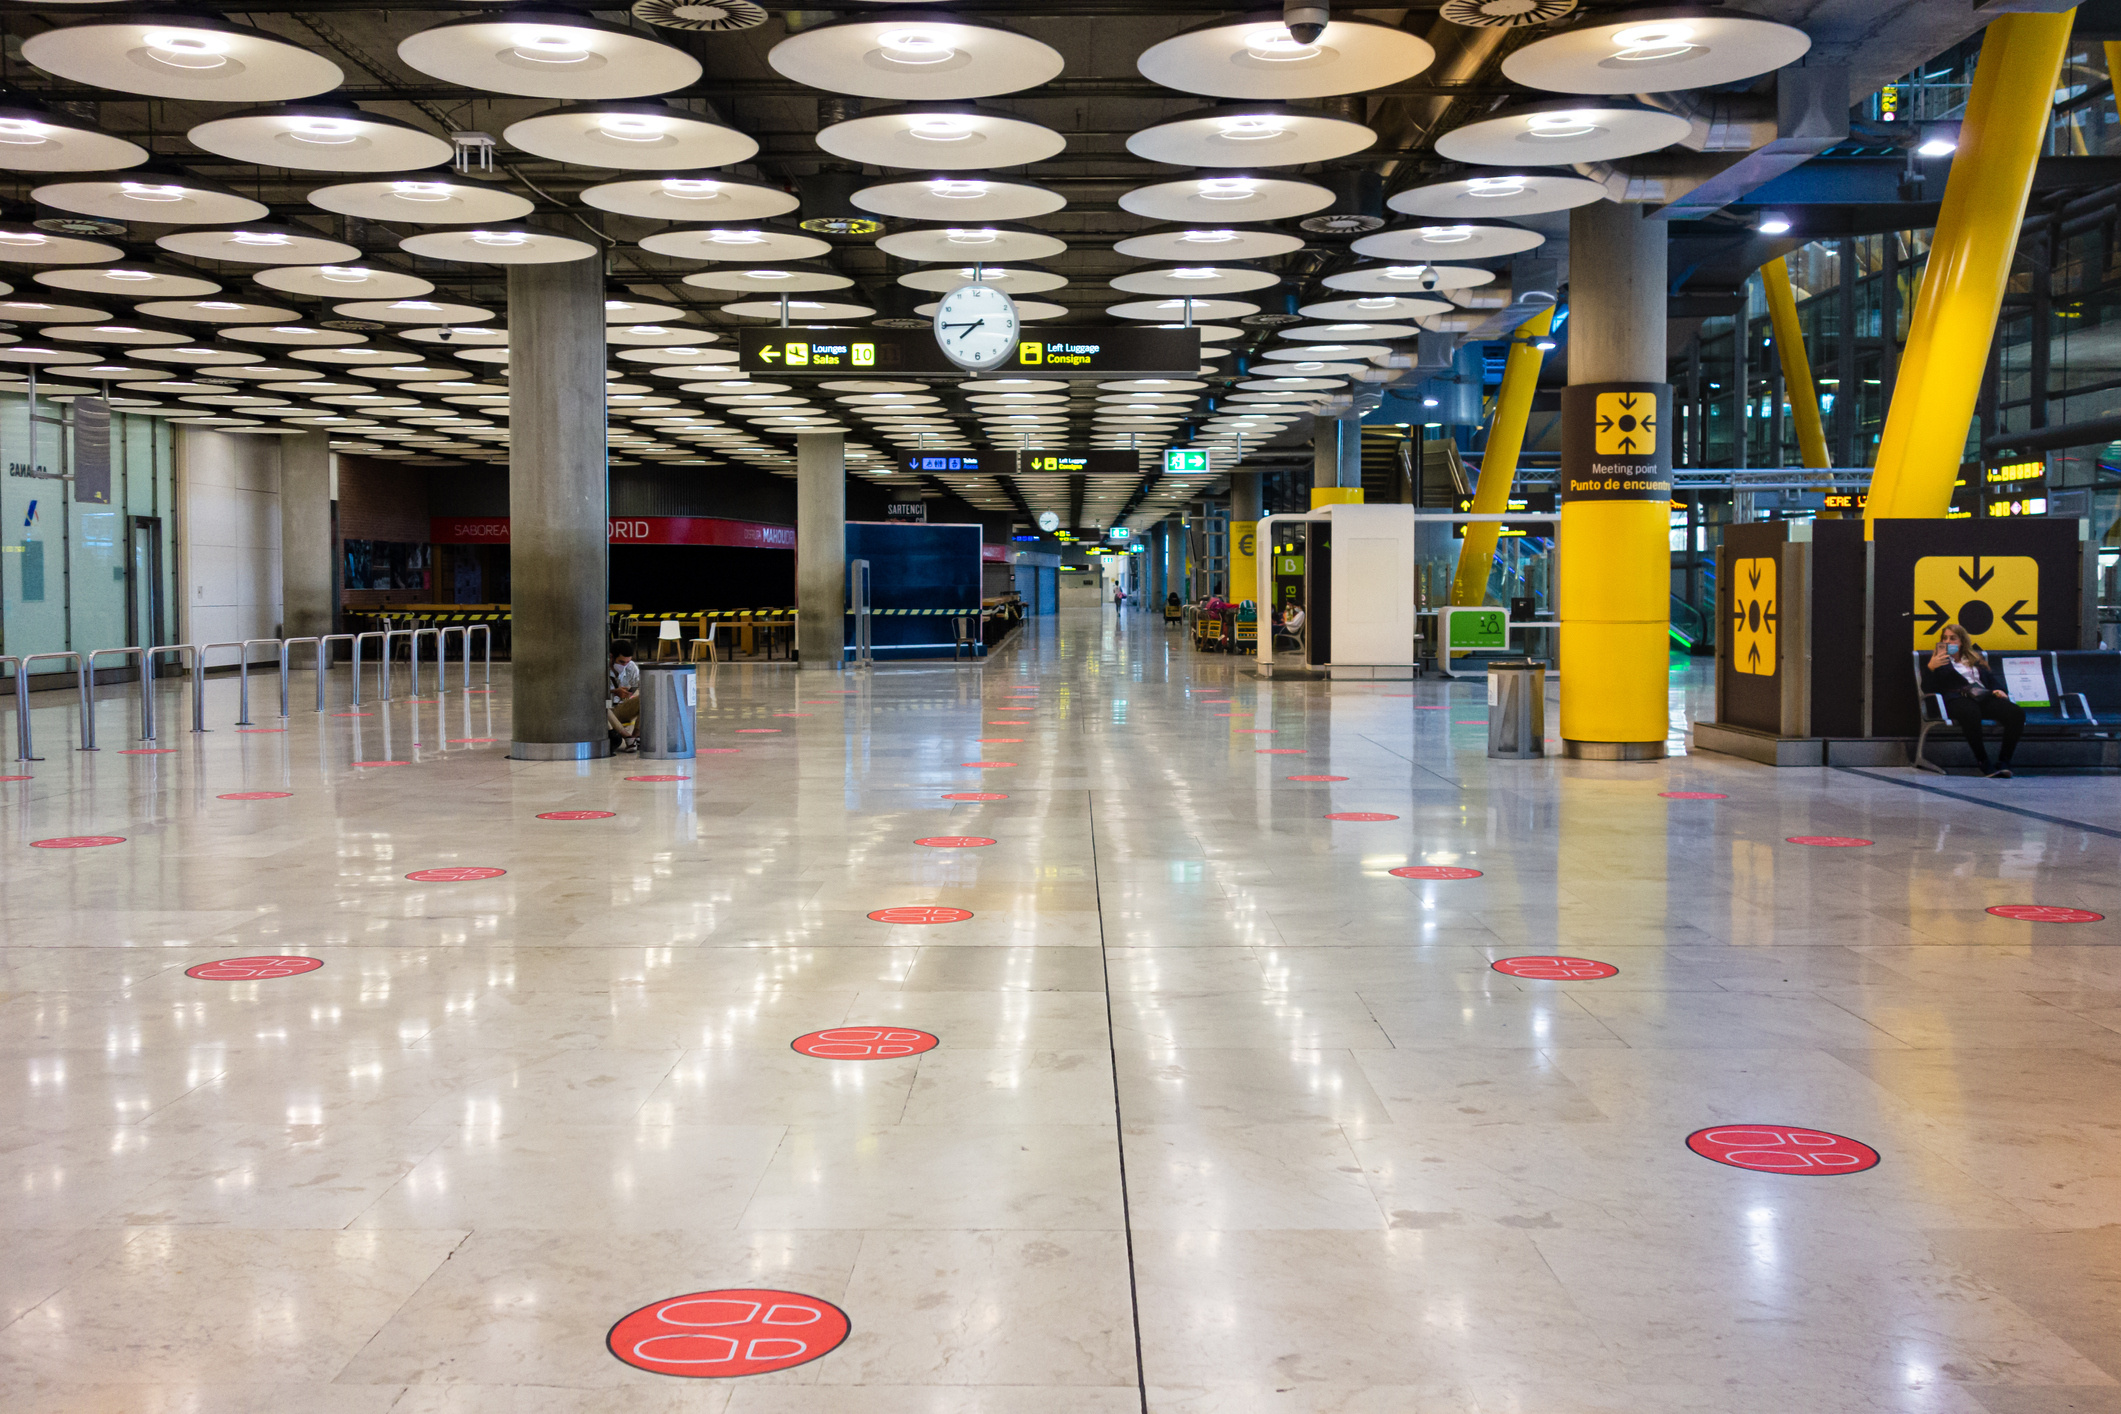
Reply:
x=1444, y=692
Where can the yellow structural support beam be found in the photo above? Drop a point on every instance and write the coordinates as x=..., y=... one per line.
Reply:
x=1335, y=496
x=1955, y=311
x=1797, y=384
x=1498, y=464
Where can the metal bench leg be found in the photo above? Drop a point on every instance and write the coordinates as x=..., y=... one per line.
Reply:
x=1921, y=762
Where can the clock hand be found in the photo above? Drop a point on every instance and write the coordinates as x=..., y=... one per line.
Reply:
x=973, y=325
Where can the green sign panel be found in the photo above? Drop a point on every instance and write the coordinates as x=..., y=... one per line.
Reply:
x=1186, y=459
x=1480, y=628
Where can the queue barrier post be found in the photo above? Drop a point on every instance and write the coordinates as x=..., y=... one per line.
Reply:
x=358, y=639
x=243, y=691
x=88, y=690
x=285, y=644
x=324, y=644
x=440, y=681
x=387, y=635
x=147, y=686
x=22, y=727
x=487, y=630
x=442, y=657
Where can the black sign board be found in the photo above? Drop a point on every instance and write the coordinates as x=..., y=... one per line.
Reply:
x=1102, y=352
x=1094, y=463
x=1616, y=442
x=2015, y=489
x=1531, y=502
x=92, y=450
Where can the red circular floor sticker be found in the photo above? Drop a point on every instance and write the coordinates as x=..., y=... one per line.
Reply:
x=914, y=913
x=580, y=814
x=1433, y=871
x=381, y=763
x=1774, y=1148
x=148, y=751
x=1255, y=731
x=987, y=763
x=1000, y=740
x=454, y=874
x=256, y=730
x=258, y=795
x=353, y=714
x=954, y=795
x=795, y=714
x=1556, y=969
x=864, y=1043
x=1361, y=815
x=1318, y=778
x=721, y=751
x=2045, y=913
x=1693, y=795
x=1279, y=751
x=15, y=778
x=955, y=841
x=742, y=730
x=77, y=841
x=711, y=1335
x=659, y=778
x=253, y=969
x=1830, y=841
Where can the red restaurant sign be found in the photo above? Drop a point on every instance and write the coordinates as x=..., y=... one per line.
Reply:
x=633, y=530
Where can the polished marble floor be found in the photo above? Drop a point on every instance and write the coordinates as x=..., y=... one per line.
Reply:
x=1224, y=1116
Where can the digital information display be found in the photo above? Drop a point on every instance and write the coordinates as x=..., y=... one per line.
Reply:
x=1100, y=352
x=2017, y=489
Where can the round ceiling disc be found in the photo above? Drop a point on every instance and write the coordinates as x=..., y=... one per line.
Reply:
x=194, y=57
x=735, y=243
x=1417, y=279
x=171, y=198
x=260, y=245
x=1337, y=338
x=1250, y=135
x=378, y=356
x=131, y=281
x=1013, y=280
x=31, y=311
x=691, y=196
x=959, y=199
x=961, y=243
x=636, y=136
x=121, y=335
x=1557, y=133
x=1165, y=310
x=312, y=137
x=1343, y=353
x=676, y=360
x=655, y=336
x=1027, y=310
x=626, y=311
x=548, y=54
x=1207, y=244
x=770, y=280
x=32, y=140
x=413, y=311
x=1658, y=51
x=479, y=336
x=1375, y=307
x=1461, y=242
x=24, y=245
x=195, y=356
x=422, y=199
x=500, y=245
x=1195, y=280
x=1256, y=57
x=940, y=137
x=1234, y=197
x=1152, y=385
x=1501, y=195
x=915, y=55
x=799, y=311
x=343, y=282
x=46, y=354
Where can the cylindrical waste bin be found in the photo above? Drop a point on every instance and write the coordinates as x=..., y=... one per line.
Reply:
x=1517, y=707
x=670, y=698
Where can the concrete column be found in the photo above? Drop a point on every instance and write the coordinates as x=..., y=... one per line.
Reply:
x=1614, y=576
x=821, y=549
x=1336, y=460
x=558, y=509
x=307, y=554
x=1244, y=535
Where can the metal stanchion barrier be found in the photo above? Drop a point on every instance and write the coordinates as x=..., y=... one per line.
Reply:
x=147, y=687
x=287, y=643
x=22, y=729
x=442, y=657
x=435, y=634
x=324, y=660
x=88, y=689
x=358, y=639
x=486, y=629
x=243, y=691
x=389, y=634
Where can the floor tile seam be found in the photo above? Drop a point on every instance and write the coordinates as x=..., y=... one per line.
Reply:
x=464, y=1235
x=1119, y=1125
x=441, y=1139
x=1968, y=799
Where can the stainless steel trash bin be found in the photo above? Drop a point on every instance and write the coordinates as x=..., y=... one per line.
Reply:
x=670, y=699
x=1517, y=707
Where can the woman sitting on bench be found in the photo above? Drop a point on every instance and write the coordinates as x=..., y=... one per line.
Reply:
x=1972, y=690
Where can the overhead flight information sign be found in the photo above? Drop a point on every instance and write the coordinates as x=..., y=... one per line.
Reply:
x=1120, y=352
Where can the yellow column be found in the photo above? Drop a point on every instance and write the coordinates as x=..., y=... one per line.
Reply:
x=1498, y=464
x=1796, y=365
x=1970, y=259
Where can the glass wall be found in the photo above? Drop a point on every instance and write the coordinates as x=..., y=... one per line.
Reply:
x=81, y=574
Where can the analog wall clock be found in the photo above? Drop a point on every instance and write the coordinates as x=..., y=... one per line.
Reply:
x=976, y=327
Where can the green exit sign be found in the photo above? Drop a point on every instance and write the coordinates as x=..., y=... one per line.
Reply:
x=1186, y=459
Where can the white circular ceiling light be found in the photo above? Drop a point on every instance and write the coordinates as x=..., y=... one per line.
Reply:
x=691, y=196
x=548, y=54
x=915, y=55
x=343, y=282
x=970, y=199
x=770, y=279
x=1196, y=280
x=196, y=57
x=1251, y=135
x=1208, y=243
x=1415, y=279
x=1231, y=196
x=131, y=280
x=260, y=244
x=1500, y=194
x=1464, y=241
x=498, y=245
x=1656, y=50
x=1558, y=133
x=1169, y=311
x=977, y=241
x=22, y=244
x=642, y=135
x=951, y=137
x=165, y=196
x=439, y=198
x=1013, y=279
x=33, y=140
x=735, y=244
x=1257, y=57
x=321, y=137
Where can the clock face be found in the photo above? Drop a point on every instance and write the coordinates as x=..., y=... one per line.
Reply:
x=1048, y=521
x=976, y=327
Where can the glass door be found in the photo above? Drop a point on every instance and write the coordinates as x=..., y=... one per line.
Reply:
x=143, y=583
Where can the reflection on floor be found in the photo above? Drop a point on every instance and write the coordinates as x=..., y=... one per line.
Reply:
x=1212, y=1085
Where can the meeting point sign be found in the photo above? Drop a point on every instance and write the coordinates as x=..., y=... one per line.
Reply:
x=1615, y=444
